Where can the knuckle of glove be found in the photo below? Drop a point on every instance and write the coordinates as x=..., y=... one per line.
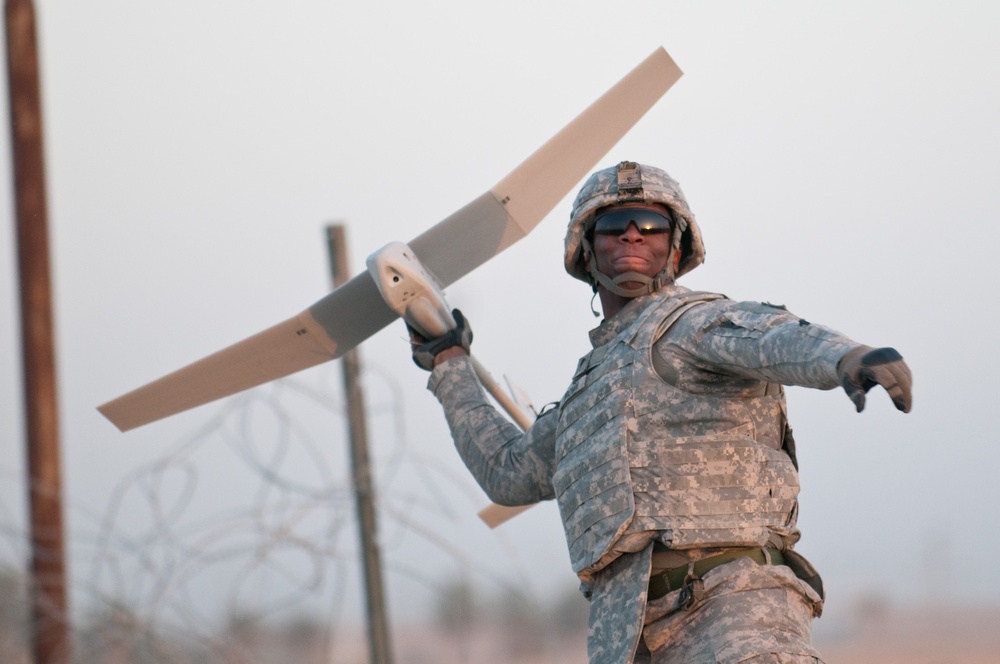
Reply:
x=424, y=351
x=424, y=354
x=880, y=356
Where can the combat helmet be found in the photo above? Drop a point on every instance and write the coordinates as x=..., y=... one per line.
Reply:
x=629, y=182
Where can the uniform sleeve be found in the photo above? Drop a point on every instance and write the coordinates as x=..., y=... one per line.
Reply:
x=511, y=466
x=753, y=341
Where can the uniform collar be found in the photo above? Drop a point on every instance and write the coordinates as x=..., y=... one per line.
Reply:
x=610, y=328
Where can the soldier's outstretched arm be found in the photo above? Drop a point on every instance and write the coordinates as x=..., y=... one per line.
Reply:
x=865, y=367
x=764, y=342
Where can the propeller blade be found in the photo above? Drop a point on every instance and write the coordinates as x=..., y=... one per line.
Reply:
x=450, y=250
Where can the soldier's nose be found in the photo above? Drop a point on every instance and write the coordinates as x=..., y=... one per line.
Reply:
x=632, y=233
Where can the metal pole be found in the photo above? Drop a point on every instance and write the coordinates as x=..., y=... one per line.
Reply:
x=48, y=588
x=364, y=489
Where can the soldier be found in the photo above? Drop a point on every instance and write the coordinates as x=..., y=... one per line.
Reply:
x=670, y=454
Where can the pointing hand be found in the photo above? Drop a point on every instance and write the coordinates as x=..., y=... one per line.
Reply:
x=865, y=367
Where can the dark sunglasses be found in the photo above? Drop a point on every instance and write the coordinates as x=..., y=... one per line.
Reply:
x=616, y=222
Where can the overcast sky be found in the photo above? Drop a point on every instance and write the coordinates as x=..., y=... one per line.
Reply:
x=842, y=158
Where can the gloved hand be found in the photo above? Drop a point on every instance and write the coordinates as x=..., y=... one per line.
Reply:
x=865, y=367
x=425, y=350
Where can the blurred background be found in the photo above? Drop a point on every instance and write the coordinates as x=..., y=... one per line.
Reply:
x=841, y=159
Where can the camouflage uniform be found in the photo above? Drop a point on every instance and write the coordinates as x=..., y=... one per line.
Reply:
x=714, y=410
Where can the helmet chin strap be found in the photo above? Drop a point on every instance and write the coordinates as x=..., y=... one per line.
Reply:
x=615, y=285
x=648, y=285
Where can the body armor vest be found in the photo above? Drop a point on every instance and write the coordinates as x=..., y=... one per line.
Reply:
x=638, y=458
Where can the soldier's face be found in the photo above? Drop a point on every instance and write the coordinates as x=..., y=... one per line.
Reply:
x=632, y=251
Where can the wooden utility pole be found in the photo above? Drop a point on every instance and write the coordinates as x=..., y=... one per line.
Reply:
x=50, y=638
x=364, y=488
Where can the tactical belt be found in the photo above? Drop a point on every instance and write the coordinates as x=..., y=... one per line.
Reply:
x=678, y=577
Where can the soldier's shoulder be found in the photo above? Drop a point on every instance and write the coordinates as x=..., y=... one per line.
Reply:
x=713, y=312
x=760, y=307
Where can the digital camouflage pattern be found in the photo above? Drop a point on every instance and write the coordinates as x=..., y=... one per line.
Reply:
x=750, y=614
x=717, y=357
x=635, y=465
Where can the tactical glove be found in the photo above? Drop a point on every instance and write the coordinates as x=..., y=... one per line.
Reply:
x=425, y=350
x=865, y=367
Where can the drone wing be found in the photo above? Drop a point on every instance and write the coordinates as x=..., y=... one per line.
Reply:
x=451, y=249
